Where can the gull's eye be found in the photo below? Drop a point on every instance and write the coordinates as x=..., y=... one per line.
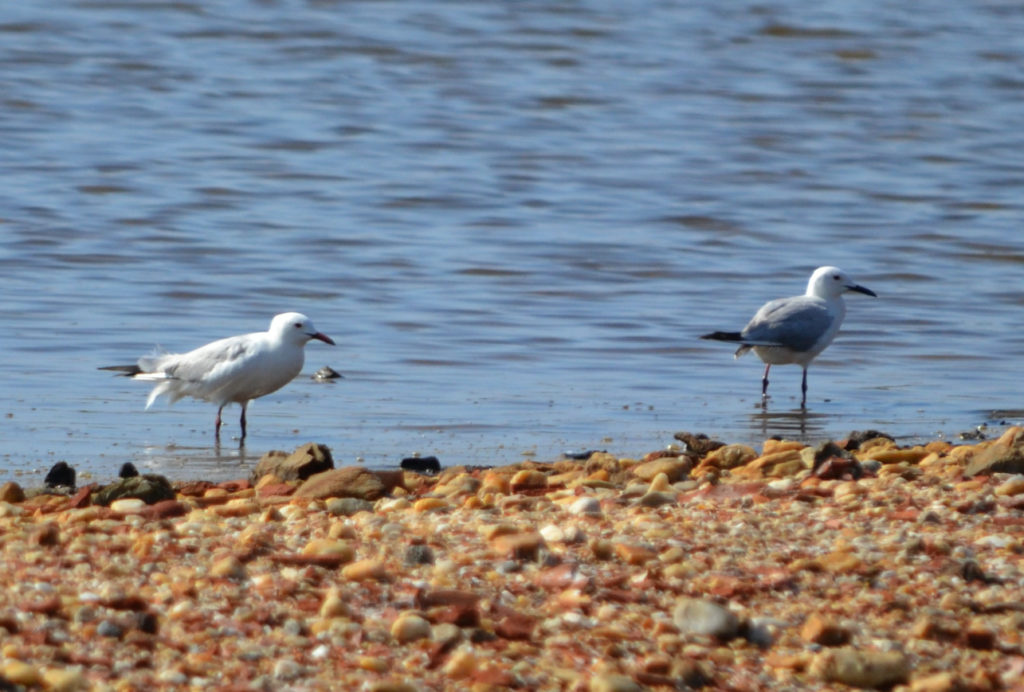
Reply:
x=836, y=277
x=298, y=325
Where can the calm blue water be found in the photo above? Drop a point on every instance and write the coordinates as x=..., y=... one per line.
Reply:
x=515, y=218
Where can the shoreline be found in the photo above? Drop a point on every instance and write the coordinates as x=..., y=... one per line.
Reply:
x=860, y=563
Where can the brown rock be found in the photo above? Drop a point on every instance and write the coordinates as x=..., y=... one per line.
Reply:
x=936, y=629
x=165, y=509
x=937, y=682
x=633, y=554
x=871, y=669
x=11, y=492
x=675, y=468
x=730, y=456
x=1005, y=455
x=776, y=464
x=819, y=630
x=511, y=624
x=307, y=460
x=46, y=535
x=518, y=546
x=348, y=481
x=528, y=479
x=276, y=490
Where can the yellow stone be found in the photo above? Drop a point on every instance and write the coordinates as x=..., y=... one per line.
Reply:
x=325, y=547
x=896, y=456
x=937, y=682
x=268, y=479
x=333, y=606
x=729, y=456
x=238, y=507
x=659, y=484
x=363, y=570
x=21, y=673
x=873, y=445
x=460, y=664
x=57, y=680
x=128, y=505
x=775, y=446
x=633, y=554
x=374, y=664
x=228, y=568
x=848, y=489
x=495, y=482
x=1013, y=486
x=528, y=478
x=427, y=504
x=408, y=627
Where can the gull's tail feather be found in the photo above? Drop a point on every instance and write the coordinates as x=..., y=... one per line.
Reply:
x=123, y=370
x=723, y=336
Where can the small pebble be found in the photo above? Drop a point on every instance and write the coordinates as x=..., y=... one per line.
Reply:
x=697, y=616
x=586, y=506
x=106, y=628
x=287, y=669
x=409, y=627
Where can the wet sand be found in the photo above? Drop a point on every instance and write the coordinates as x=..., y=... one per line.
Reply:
x=860, y=563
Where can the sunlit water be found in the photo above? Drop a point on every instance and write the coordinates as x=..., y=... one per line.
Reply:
x=514, y=218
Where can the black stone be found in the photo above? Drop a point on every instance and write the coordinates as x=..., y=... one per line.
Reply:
x=421, y=464
x=60, y=475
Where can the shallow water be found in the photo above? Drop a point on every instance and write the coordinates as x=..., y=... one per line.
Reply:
x=514, y=218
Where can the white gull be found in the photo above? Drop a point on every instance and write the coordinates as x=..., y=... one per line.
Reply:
x=237, y=369
x=797, y=329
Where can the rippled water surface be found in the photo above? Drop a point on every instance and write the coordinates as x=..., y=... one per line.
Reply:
x=515, y=218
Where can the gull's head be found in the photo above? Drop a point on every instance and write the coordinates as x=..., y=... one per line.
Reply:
x=832, y=282
x=295, y=327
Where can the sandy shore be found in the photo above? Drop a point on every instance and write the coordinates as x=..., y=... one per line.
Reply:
x=857, y=564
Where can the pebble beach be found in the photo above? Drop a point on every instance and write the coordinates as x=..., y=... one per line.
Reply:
x=854, y=564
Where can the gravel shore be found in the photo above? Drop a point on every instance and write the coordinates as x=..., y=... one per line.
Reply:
x=858, y=563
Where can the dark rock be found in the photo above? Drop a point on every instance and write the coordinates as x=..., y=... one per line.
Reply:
x=700, y=444
x=145, y=622
x=976, y=434
x=150, y=488
x=858, y=437
x=128, y=470
x=832, y=462
x=109, y=629
x=419, y=554
x=327, y=374
x=61, y=475
x=306, y=461
x=971, y=571
x=45, y=535
x=421, y=464
x=582, y=456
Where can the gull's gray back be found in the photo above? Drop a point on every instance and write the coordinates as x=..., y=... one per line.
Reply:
x=796, y=323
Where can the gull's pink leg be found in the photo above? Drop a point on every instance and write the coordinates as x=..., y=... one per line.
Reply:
x=216, y=425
